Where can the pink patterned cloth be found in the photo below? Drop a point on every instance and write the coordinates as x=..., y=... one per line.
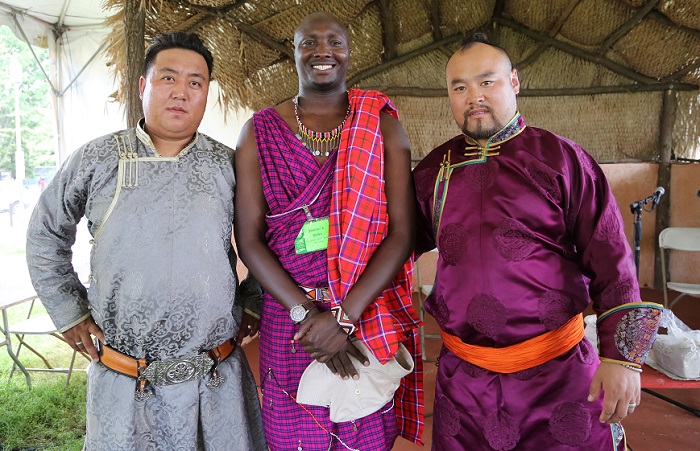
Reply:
x=292, y=178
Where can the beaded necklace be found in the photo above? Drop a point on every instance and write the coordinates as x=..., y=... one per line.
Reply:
x=319, y=143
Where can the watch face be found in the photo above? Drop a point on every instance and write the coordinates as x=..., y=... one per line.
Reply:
x=298, y=313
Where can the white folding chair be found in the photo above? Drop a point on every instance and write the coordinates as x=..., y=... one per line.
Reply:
x=39, y=325
x=681, y=239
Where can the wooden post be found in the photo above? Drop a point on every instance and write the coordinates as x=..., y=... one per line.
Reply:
x=134, y=29
x=663, y=209
x=386, y=11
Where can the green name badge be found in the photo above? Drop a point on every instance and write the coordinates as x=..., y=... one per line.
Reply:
x=312, y=237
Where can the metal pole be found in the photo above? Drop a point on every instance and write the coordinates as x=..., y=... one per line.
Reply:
x=16, y=76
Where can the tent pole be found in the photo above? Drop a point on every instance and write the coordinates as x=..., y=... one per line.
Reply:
x=663, y=210
x=134, y=31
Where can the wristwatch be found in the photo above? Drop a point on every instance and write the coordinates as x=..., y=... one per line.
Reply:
x=298, y=312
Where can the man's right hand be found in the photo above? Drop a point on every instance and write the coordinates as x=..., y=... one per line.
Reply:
x=321, y=336
x=79, y=337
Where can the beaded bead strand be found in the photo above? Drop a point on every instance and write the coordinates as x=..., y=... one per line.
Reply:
x=318, y=143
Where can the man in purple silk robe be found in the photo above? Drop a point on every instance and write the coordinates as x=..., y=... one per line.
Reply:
x=528, y=234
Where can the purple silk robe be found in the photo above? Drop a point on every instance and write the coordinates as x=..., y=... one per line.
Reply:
x=526, y=239
x=292, y=178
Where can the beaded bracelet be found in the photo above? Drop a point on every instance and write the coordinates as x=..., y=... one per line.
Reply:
x=343, y=319
x=630, y=366
x=633, y=368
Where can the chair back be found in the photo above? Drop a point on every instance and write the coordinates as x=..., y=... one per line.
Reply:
x=680, y=238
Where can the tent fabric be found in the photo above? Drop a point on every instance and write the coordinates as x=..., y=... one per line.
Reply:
x=83, y=101
x=589, y=60
x=72, y=31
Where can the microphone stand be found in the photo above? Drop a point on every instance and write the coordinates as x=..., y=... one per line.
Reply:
x=636, y=209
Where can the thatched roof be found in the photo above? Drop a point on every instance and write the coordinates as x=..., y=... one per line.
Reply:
x=616, y=57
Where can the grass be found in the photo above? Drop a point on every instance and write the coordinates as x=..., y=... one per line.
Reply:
x=12, y=248
x=49, y=416
x=13, y=239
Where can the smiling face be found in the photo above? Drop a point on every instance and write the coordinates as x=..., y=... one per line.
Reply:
x=321, y=52
x=174, y=94
x=482, y=88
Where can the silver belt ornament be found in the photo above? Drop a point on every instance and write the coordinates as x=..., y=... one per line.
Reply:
x=175, y=371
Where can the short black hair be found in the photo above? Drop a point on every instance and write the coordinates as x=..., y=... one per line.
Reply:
x=481, y=38
x=177, y=40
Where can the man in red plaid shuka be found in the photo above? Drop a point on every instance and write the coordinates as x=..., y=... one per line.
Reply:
x=325, y=219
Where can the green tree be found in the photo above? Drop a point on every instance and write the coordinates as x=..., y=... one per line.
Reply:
x=36, y=107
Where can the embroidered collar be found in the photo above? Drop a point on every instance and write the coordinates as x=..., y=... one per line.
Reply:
x=512, y=129
x=145, y=138
x=479, y=154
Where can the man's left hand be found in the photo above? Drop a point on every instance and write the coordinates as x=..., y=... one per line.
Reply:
x=341, y=364
x=622, y=388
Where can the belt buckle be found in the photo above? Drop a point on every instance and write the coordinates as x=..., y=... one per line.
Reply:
x=176, y=371
x=321, y=294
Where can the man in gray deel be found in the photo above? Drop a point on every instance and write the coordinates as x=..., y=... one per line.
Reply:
x=158, y=200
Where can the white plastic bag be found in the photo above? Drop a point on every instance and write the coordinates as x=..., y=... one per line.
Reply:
x=591, y=331
x=678, y=351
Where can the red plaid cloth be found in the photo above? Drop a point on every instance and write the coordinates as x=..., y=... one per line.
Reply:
x=358, y=225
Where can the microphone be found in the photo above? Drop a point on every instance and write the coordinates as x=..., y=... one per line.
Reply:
x=657, y=196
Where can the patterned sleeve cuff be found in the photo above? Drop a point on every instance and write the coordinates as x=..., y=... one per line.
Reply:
x=627, y=331
x=74, y=323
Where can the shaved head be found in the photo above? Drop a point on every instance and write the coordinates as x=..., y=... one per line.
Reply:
x=316, y=18
x=481, y=38
x=482, y=87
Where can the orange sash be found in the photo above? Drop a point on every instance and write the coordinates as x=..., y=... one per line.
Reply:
x=521, y=356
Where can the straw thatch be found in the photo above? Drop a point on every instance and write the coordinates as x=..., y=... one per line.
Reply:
x=593, y=70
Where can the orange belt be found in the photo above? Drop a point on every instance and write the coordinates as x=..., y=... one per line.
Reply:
x=129, y=366
x=521, y=356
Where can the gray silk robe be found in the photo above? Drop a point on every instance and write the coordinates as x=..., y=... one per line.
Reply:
x=162, y=285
